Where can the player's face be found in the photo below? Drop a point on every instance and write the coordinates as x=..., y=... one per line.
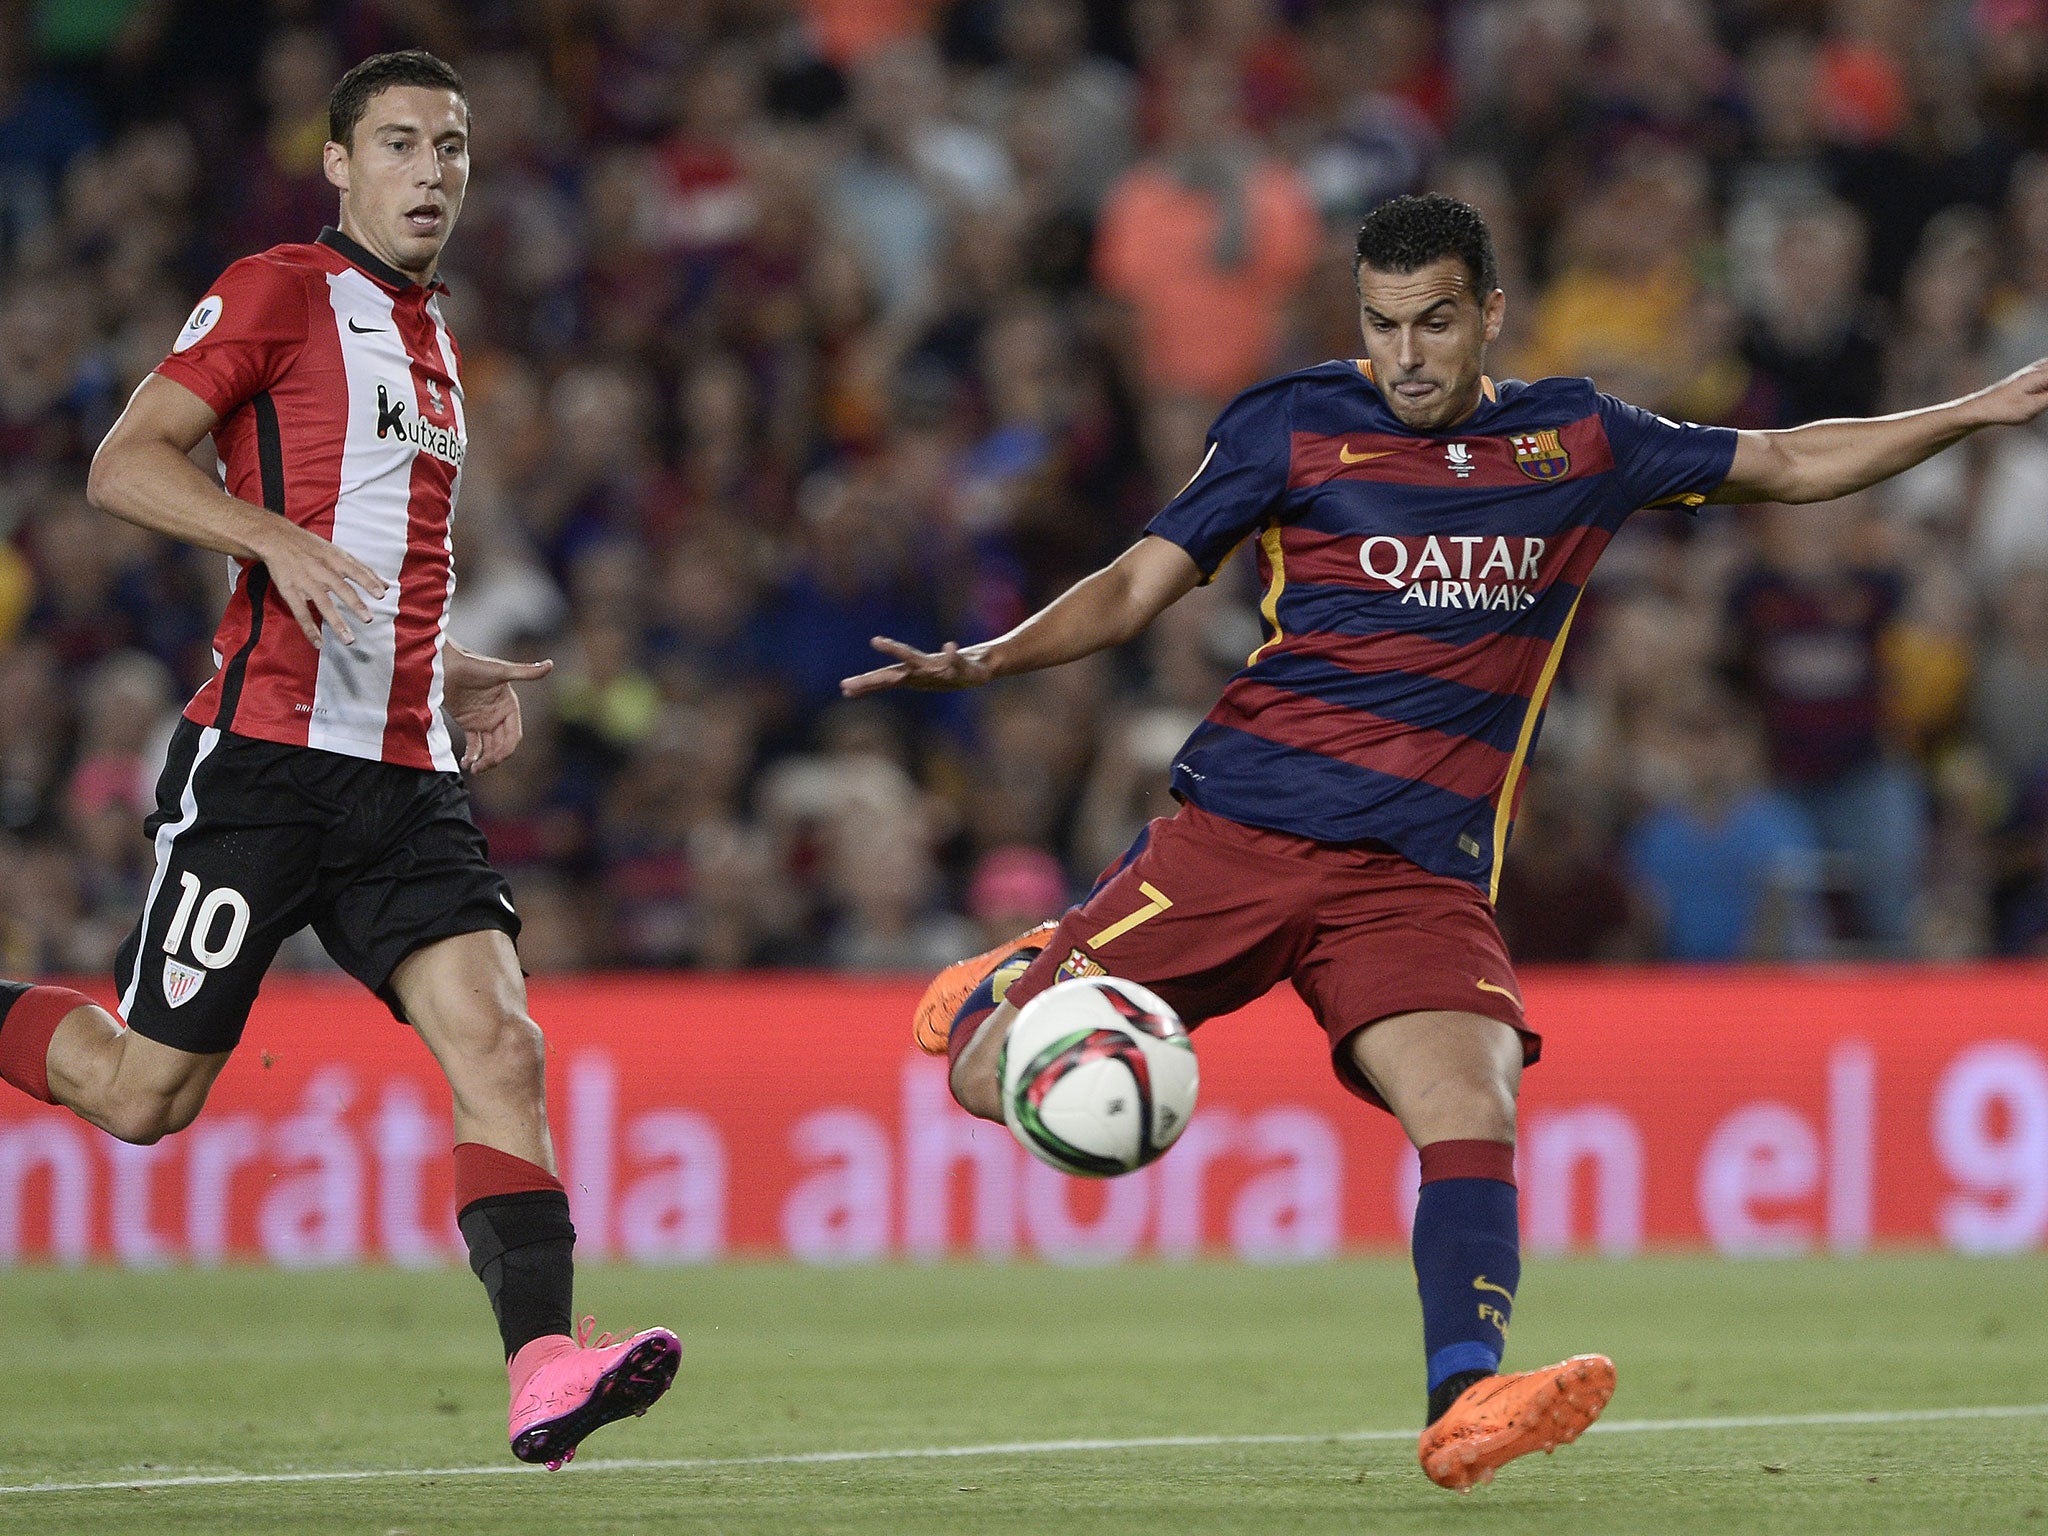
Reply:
x=403, y=174
x=1426, y=333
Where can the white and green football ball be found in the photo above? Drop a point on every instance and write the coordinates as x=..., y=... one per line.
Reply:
x=1098, y=1076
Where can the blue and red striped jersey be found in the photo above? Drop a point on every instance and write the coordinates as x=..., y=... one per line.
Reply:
x=1419, y=587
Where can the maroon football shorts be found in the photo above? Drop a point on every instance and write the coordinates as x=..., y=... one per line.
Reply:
x=1210, y=913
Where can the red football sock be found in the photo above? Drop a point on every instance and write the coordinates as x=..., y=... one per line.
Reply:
x=481, y=1171
x=1468, y=1160
x=29, y=1016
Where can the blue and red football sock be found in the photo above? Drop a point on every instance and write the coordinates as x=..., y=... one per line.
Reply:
x=1468, y=1261
x=986, y=997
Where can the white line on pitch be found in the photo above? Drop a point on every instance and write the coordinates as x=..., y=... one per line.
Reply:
x=1019, y=1448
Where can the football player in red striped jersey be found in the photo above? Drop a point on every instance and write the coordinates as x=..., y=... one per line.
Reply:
x=315, y=779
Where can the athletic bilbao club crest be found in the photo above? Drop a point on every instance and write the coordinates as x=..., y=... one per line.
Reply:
x=1540, y=455
x=181, y=982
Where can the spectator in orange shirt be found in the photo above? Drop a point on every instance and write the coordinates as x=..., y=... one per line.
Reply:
x=1206, y=241
x=847, y=32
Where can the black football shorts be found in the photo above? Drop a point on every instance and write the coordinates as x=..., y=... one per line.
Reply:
x=255, y=840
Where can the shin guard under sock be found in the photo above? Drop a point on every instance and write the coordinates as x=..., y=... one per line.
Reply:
x=1467, y=1249
x=29, y=1016
x=986, y=998
x=514, y=1216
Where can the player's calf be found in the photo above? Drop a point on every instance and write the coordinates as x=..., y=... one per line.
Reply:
x=61, y=1047
x=467, y=999
x=976, y=1076
x=142, y=1122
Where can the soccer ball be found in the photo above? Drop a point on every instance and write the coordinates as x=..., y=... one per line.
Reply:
x=1098, y=1076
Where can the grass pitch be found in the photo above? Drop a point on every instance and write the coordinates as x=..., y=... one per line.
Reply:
x=131, y=1381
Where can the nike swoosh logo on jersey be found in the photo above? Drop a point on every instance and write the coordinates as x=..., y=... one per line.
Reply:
x=1346, y=456
x=1487, y=986
x=363, y=330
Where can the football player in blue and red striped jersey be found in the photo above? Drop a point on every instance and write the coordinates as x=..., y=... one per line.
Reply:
x=1423, y=539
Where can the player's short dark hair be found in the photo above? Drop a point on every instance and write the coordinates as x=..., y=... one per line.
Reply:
x=1407, y=233
x=354, y=91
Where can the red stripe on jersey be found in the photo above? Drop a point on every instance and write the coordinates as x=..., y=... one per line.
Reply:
x=1313, y=558
x=423, y=579
x=1400, y=459
x=276, y=698
x=1580, y=550
x=1318, y=559
x=1504, y=664
x=1402, y=751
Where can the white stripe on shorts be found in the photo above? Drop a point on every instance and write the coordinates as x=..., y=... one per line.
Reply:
x=166, y=835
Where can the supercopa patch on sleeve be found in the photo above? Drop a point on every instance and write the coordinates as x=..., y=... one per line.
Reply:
x=203, y=319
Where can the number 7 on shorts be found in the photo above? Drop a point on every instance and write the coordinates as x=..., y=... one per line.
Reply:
x=1158, y=903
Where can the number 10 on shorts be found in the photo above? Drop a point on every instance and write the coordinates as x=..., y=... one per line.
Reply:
x=225, y=898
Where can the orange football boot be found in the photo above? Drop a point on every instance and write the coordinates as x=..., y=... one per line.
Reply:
x=1501, y=1417
x=933, y=1021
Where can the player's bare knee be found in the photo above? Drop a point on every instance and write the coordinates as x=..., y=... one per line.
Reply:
x=1472, y=1103
x=1492, y=1111
x=518, y=1050
x=504, y=1057
x=1475, y=1107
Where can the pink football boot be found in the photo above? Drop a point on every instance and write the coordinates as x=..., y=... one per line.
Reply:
x=563, y=1388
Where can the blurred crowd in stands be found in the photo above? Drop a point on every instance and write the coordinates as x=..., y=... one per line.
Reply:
x=791, y=322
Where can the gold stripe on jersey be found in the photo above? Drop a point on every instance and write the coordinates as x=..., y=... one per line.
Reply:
x=1505, y=811
x=1269, y=605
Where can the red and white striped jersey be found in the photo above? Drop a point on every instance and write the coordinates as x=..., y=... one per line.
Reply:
x=340, y=397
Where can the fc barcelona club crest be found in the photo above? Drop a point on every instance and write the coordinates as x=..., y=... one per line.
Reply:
x=1540, y=455
x=1078, y=965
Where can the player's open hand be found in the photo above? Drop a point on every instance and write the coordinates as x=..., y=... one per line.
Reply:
x=478, y=692
x=947, y=667
x=2016, y=398
x=320, y=582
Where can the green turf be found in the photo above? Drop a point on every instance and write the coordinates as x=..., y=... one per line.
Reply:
x=110, y=1376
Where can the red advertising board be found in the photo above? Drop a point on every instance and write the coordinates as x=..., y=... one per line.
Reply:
x=1744, y=1111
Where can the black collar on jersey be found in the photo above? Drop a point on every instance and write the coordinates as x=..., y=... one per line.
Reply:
x=388, y=275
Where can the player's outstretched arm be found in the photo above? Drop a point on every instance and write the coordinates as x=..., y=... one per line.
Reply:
x=478, y=693
x=1824, y=459
x=1097, y=612
x=143, y=474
